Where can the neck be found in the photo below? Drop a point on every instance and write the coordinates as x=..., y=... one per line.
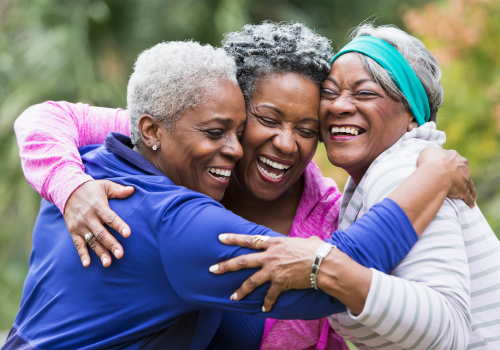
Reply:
x=277, y=214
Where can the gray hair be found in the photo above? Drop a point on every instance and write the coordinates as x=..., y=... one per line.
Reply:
x=277, y=48
x=172, y=77
x=421, y=60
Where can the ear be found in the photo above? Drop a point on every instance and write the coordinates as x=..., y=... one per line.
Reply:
x=150, y=130
x=413, y=125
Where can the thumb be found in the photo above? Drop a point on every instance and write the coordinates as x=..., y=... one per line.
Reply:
x=114, y=190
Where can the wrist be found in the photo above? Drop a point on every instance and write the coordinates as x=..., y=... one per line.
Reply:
x=321, y=253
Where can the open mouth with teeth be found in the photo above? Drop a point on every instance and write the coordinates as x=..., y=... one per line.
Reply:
x=347, y=130
x=220, y=174
x=271, y=169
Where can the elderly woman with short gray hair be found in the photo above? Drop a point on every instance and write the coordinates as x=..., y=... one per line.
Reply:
x=386, y=86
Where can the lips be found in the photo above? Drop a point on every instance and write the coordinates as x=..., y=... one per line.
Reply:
x=220, y=174
x=273, y=169
x=345, y=132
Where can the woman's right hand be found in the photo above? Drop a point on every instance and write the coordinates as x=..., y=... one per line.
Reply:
x=87, y=211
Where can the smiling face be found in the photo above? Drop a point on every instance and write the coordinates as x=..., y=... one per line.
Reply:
x=204, y=147
x=359, y=120
x=281, y=134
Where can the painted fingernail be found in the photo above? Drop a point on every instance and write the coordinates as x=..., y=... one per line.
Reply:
x=234, y=296
x=222, y=237
x=105, y=261
x=214, y=268
x=116, y=252
x=85, y=262
x=263, y=309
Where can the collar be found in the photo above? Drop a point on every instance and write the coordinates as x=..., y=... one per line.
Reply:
x=352, y=199
x=122, y=146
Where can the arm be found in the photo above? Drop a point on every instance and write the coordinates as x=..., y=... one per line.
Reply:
x=188, y=246
x=49, y=135
x=288, y=263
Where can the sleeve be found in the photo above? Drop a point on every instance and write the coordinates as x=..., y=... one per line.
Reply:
x=49, y=135
x=191, y=247
x=425, y=304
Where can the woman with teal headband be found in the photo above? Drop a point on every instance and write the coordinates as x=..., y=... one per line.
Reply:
x=378, y=113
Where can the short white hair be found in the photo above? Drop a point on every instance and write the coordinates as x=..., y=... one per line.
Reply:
x=421, y=60
x=172, y=77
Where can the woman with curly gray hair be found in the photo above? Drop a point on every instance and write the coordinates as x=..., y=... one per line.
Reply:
x=280, y=68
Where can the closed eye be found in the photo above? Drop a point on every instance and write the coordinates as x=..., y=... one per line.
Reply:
x=268, y=122
x=214, y=133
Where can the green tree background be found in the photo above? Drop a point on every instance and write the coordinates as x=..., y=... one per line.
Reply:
x=83, y=51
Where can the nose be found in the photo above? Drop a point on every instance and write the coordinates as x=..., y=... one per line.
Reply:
x=342, y=106
x=285, y=142
x=233, y=149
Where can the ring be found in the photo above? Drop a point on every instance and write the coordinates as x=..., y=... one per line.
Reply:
x=89, y=236
x=260, y=239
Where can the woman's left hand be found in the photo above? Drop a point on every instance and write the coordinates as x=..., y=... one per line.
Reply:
x=454, y=168
x=285, y=262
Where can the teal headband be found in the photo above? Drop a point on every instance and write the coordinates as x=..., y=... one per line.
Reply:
x=402, y=74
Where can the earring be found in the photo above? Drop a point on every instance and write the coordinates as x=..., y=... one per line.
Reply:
x=155, y=148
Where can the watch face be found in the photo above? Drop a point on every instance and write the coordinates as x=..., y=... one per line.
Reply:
x=324, y=250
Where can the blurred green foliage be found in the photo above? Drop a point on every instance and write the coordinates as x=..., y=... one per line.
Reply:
x=83, y=51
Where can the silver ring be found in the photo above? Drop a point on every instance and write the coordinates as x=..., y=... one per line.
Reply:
x=89, y=236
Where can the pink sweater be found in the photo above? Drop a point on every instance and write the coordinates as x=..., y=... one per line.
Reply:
x=49, y=135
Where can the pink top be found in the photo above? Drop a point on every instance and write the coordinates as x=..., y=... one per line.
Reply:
x=49, y=135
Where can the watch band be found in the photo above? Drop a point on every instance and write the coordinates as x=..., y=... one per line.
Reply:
x=321, y=253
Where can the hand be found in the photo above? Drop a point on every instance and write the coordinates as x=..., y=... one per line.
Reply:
x=453, y=167
x=87, y=210
x=286, y=262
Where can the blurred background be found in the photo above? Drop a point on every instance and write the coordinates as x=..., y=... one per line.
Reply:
x=83, y=51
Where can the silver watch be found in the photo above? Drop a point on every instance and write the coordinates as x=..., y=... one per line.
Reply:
x=321, y=253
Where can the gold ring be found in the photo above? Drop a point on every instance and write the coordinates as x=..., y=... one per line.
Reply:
x=260, y=240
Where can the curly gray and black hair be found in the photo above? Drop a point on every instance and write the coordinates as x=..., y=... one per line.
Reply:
x=276, y=48
x=421, y=60
x=171, y=77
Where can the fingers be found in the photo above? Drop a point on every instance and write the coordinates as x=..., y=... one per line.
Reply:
x=114, y=190
x=257, y=279
x=101, y=251
x=247, y=241
x=108, y=216
x=271, y=296
x=472, y=195
x=81, y=247
x=239, y=263
x=107, y=240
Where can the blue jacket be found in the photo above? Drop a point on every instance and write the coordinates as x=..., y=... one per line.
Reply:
x=161, y=294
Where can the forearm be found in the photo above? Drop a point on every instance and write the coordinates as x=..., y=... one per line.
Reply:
x=49, y=135
x=344, y=279
x=421, y=195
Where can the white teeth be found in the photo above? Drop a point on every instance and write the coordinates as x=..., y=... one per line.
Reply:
x=348, y=130
x=271, y=175
x=223, y=174
x=273, y=164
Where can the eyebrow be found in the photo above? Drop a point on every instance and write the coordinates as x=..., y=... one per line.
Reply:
x=356, y=83
x=265, y=105
x=217, y=119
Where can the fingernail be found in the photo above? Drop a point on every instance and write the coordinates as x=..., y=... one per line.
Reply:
x=214, y=268
x=263, y=309
x=234, y=296
x=105, y=261
x=222, y=237
x=116, y=252
x=85, y=262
